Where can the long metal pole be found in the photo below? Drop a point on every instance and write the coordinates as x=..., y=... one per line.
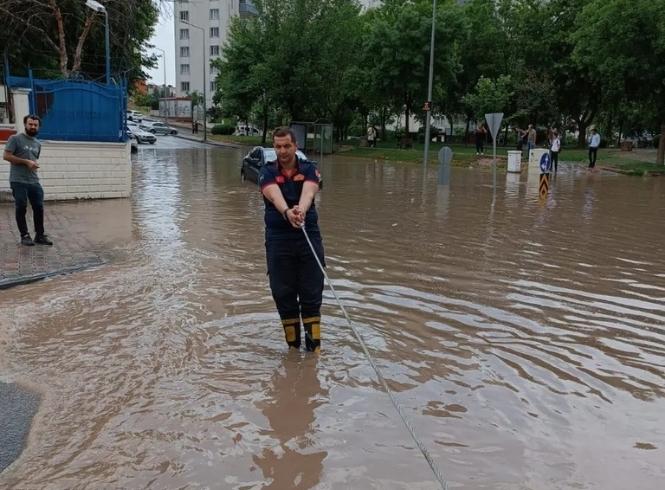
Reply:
x=428, y=112
x=108, y=49
x=205, y=102
x=166, y=108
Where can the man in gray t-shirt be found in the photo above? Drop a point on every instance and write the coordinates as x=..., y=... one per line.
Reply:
x=22, y=152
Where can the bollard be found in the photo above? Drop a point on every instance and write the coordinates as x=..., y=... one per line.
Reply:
x=445, y=158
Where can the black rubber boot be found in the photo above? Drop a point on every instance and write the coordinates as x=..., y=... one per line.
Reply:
x=312, y=333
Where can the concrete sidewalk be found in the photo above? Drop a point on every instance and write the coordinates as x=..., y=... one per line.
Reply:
x=20, y=264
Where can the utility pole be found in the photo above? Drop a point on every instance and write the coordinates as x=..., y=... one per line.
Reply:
x=428, y=104
x=205, y=108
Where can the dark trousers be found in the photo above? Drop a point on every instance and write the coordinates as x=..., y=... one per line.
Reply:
x=479, y=145
x=555, y=159
x=22, y=194
x=593, y=153
x=296, y=282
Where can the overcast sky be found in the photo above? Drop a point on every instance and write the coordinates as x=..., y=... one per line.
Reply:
x=163, y=38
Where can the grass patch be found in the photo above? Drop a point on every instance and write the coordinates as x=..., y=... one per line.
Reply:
x=629, y=163
x=238, y=140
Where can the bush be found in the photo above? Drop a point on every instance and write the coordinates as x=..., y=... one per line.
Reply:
x=223, y=129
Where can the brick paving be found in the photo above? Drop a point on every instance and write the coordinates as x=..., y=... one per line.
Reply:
x=20, y=264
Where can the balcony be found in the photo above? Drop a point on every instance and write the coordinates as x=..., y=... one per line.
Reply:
x=247, y=9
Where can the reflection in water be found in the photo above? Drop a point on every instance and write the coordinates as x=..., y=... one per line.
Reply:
x=525, y=342
x=294, y=394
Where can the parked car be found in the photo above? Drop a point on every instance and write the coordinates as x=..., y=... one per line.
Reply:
x=246, y=130
x=257, y=158
x=157, y=128
x=133, y=144
x=134, y=116
x=140, y=135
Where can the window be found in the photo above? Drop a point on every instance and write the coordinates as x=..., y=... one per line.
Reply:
x=184, y=69
x=184, y=15
x=183, y=1
x=214, y=14
x=214, y=32
x=213, y=86
x=184, y=33
x=214, y=50
x=213, y=70
x=184, y=51
x=184, y=87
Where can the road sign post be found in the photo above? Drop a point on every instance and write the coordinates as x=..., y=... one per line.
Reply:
x=545, y=168
x=494, y=123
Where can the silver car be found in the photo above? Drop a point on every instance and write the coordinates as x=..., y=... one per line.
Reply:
x=158, y=128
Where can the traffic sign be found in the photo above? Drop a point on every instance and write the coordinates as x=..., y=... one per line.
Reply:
x=494, y=122
x=545, y=163
x=544, y=186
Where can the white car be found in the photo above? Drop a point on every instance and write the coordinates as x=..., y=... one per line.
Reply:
x=157, y=128
x=134, y=116
x=140, y=135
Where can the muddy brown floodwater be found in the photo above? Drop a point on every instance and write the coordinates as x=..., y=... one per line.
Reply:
x=525, y=341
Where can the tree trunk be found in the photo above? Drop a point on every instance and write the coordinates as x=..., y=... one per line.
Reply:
x=79, y=46
x=620, y=133
x=609, y=128
x=660, y=155
x=505, y=136
x=62, y=42
x=581, y=137
x=265, y=124
x=466, y=130
x=407, y=113
x=383, y=117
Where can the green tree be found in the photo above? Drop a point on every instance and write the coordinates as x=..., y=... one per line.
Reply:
x=66, y=38
x=489, y=96
x=399, y=42
x=629, y=61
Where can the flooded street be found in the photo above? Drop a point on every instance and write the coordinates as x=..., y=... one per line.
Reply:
x=525, y=341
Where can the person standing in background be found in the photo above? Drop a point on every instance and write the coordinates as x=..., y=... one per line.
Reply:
x=555, y=147
x=594, y=143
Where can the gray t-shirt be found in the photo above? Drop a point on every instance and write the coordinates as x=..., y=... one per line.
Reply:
x=23, y=146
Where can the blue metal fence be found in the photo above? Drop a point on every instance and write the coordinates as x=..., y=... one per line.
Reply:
x=73, y=110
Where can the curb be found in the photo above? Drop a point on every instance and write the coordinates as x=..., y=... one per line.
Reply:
x=211, y=143
x=21, y=280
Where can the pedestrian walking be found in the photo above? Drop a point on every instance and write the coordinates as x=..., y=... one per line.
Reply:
x=594, y=143
x=480, y=134
x=555, y=148
x=371, y=137
x=531, y=139
x=22, y=152
x=289, y=185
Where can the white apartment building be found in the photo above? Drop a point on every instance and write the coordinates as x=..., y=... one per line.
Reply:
x=201, y=28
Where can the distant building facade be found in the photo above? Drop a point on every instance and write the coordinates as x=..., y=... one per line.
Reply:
x=212, y=18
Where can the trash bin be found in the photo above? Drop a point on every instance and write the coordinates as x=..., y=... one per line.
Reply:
x=514, y=161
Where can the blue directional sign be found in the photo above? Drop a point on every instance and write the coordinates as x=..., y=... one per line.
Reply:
x=545, y=163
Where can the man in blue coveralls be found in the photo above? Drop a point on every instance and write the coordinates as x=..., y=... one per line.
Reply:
x=288, y=186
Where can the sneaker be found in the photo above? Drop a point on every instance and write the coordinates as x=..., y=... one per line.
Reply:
x=26, y=240
x=43, y=240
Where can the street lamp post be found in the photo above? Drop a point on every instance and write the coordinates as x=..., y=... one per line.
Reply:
x=98, y=7
x=166, y=106
x=205, y=108
x=428, y=111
